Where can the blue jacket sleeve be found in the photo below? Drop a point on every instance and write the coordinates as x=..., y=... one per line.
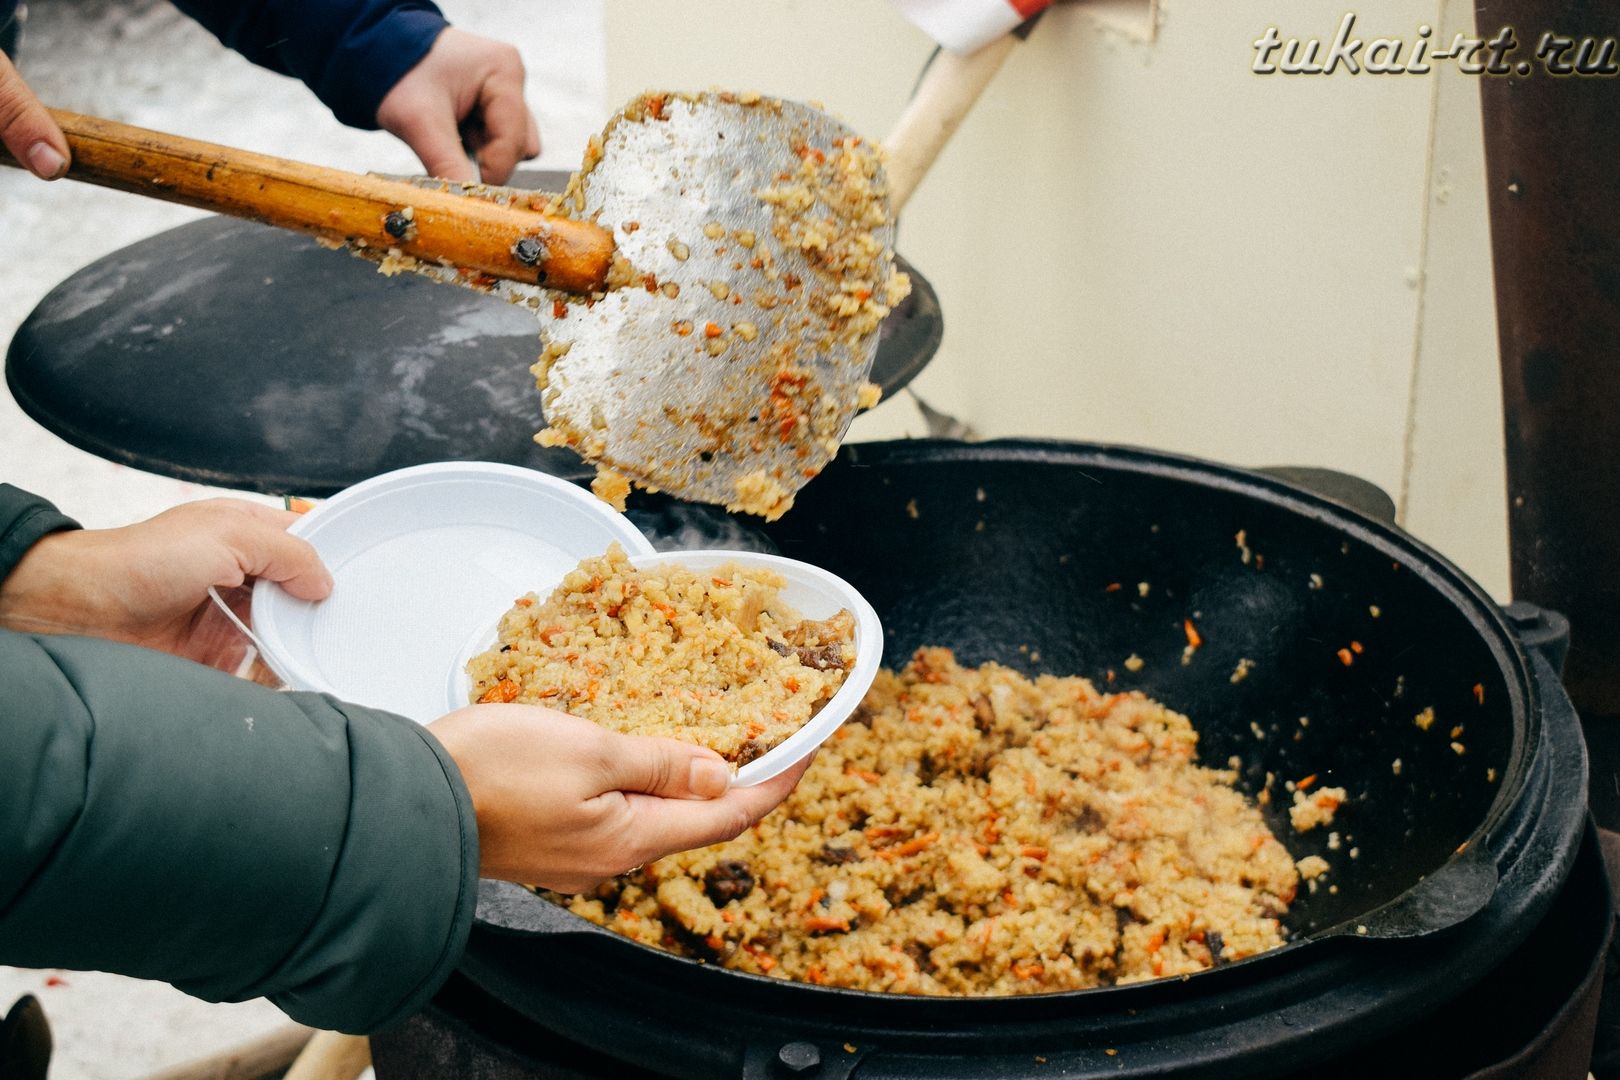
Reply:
x=349, y=52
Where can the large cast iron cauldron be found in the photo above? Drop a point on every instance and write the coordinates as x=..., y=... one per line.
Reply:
x=1006, y=551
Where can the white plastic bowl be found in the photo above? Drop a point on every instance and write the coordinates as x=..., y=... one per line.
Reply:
x=420, y=557
x=814, y=592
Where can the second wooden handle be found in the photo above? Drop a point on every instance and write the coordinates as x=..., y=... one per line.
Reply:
x=515, y=243
x=947, y=92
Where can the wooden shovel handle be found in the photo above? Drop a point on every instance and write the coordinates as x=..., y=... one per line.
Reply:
x=477, y=234
x=943, y=99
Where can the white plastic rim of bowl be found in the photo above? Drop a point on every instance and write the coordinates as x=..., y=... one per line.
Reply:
x=814, y=592
x=420, y=557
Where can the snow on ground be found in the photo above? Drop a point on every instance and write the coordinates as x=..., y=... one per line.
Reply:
x=141, y=62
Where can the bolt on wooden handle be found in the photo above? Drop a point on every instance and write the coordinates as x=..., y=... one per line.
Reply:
x=515, y=243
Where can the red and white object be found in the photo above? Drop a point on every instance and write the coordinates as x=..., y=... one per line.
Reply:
x=963, y=26
x=977, y=37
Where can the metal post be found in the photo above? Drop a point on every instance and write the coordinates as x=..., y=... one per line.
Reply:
x=1552, y=145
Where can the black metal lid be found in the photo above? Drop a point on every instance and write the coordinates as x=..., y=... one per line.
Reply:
x=229, y=353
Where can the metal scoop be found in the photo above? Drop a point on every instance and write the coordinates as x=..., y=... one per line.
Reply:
x=719, y=353
x=760, y=250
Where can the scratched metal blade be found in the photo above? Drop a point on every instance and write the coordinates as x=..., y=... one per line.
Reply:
x=637, y=394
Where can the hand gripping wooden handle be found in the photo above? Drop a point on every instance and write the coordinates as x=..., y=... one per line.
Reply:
x=485, y=237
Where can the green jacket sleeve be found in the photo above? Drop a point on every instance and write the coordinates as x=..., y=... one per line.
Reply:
x=163, y=820
x=25, y=518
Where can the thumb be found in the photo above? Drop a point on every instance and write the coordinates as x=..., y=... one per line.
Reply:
x=27, y=130
x=666, y=768
x=266, y=550
x=661, y=827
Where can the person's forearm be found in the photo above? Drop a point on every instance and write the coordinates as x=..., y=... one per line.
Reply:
x=161, y=820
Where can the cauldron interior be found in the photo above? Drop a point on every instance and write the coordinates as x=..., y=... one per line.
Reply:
x=1061, y=559
x=1010, y=551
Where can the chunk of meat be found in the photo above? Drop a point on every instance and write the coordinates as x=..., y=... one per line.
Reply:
x=984, y=715
x=828, y=657
x=835, y=856
x=815, y=632
x=728, y=881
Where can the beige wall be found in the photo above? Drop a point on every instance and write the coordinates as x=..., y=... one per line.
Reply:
x=1146, y=243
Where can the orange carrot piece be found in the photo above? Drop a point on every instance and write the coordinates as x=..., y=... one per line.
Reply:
x=501, y=693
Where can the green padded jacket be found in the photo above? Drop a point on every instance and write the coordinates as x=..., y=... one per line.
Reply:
x=164, y=820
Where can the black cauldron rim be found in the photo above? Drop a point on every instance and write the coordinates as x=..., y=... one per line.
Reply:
x=1303, y=1002
x=1528, y=815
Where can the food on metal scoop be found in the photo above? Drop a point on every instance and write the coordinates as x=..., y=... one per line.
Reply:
x=972, y=831
x=769, y=303
x=751, y=265
x=712, y=657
